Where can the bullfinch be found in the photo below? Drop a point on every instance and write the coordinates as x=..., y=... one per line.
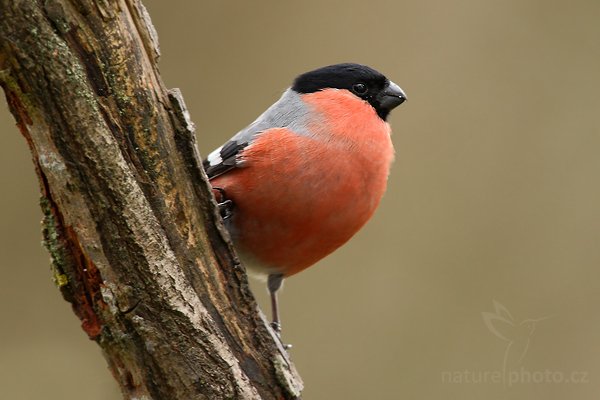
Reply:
x=307, y=174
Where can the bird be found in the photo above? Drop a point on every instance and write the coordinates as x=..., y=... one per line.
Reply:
x=308, y=173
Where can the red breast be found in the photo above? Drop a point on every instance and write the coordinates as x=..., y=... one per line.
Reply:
x=299, y=197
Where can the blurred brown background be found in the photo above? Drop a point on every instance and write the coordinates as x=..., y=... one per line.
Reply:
x=494, y=196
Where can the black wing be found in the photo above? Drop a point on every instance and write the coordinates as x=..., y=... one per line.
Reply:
x=226, y=161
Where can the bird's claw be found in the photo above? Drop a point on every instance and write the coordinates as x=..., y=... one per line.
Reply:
x=226, y=209
x=225, y=205
x=277, y=328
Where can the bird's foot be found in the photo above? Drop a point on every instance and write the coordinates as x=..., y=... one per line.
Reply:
x=225, y=205
x=277, y=328
x=226, y=209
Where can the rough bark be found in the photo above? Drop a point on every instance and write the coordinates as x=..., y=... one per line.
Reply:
x=137, y=247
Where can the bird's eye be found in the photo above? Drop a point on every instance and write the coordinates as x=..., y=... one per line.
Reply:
x=359, y=88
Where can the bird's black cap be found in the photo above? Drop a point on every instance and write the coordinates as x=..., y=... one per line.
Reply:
x=363, y=81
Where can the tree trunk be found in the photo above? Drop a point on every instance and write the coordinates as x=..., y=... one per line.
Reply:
x=137, y=246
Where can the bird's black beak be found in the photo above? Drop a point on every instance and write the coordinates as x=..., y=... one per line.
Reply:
x=391, y=97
